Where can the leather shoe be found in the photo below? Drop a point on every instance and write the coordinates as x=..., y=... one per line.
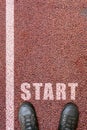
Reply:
x=69, y=117
x=27, y=117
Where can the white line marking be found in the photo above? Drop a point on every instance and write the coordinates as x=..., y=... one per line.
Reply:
x=9, y=64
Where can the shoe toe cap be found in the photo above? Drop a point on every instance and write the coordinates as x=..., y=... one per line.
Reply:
x=26, y=109
x=71, y=109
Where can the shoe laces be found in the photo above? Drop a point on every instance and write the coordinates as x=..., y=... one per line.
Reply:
x=28, y=122
x=69, y=122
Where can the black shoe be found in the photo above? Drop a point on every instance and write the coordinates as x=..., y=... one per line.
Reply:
x=69, y=117
x=27, y=117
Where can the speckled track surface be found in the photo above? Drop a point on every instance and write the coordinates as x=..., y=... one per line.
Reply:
x=50, y=46
x=2, y=65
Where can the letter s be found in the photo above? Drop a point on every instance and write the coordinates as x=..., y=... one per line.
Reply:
x=26, y=95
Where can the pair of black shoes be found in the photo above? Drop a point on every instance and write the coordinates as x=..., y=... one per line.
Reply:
x=68, y=121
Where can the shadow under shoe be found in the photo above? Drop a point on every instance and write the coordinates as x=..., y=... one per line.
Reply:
x=27, y=117
x=69, y=117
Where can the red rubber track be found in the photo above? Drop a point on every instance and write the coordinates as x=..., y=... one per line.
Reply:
x=50, y=46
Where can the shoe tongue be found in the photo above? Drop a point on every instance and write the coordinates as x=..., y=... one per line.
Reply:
x=67, y=129
x=29, y=128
